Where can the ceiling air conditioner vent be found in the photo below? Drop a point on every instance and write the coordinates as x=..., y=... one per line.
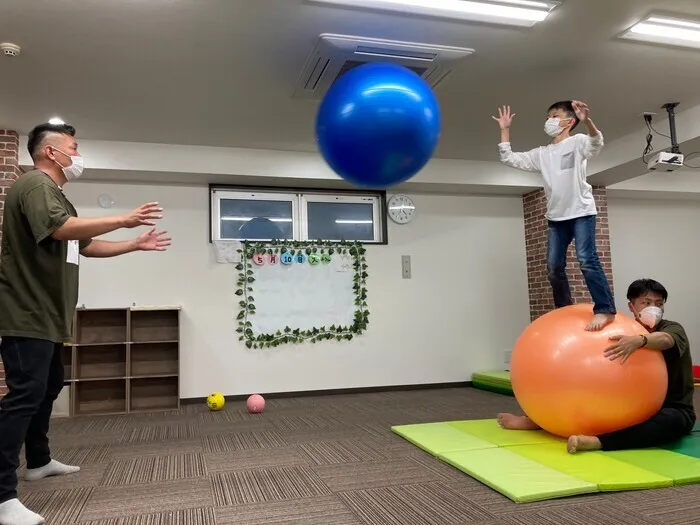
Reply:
x=335, y=55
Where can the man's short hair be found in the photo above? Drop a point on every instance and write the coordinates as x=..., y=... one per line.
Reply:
x=641, y=287
x=567, y=106
x=39, y=133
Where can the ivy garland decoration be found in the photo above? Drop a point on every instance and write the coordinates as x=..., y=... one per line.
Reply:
x=246, y=278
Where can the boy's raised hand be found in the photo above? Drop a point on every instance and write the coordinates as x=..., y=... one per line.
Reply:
x=582, y=110
x=504, y=118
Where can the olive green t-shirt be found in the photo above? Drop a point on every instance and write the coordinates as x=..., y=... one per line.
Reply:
x=38, y=274
x=679, y=364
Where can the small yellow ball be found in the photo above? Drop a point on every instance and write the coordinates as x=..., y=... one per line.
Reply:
x=216, y=401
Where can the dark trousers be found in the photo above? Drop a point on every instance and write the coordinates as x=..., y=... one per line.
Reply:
x=34, y=375
x=582, y=231
x=666, y=426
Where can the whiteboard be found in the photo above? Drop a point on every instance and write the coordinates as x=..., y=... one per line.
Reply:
x=302, y=296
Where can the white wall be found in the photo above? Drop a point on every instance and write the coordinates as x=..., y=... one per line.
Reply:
x=465, y=304
x=659, y=239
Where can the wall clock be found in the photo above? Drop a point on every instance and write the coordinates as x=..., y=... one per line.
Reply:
x=401, y=209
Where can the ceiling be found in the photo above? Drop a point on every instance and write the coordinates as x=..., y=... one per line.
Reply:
x=222, y=72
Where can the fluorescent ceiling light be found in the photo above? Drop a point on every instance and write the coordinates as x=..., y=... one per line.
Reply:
x=56, y=121
x=510, y=12
x=664, y=30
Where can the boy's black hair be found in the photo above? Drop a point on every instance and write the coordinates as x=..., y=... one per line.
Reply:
x=568, y=107
x=643, y=286
x=36, y=136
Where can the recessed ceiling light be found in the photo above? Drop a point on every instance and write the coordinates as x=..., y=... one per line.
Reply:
x=665, y=30
x=509, y=12
x=56, y=121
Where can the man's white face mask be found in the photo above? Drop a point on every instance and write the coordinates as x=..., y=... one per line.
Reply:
x=651, y=316
x=75, y=170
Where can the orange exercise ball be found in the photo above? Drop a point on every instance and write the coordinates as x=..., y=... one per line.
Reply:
x=565, y=384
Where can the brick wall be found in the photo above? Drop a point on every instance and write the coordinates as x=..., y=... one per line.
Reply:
x=9, y=171
x=540, y=291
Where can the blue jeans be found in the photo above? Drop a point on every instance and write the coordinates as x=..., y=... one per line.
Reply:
x=582, y=231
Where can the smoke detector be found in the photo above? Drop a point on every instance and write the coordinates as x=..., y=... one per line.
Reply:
x=9, y=50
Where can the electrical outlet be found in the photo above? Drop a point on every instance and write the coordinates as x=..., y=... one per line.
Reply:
x=406, y=266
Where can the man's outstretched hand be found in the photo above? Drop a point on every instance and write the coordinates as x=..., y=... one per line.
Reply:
x=144, y=215
x=153, y=240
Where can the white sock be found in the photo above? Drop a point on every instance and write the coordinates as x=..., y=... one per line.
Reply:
x=53, y=468
x=12, y=512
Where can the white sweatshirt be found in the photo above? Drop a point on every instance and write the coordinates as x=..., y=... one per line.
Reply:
x=563, y=168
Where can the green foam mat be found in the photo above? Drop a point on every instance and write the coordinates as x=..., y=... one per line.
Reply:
x=680, y=468
x=477, y=381
x=517, y=477
x=496, y=377
x=489, y=430
x=437, y=438
x=495, y=389
x=534, y=465
x=606, y=472
x=689, y=446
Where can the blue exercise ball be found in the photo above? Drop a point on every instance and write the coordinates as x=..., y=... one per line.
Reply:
x=378, y=125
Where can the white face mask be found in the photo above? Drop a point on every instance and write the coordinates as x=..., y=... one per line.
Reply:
x=651, y=316
x=552, y=127
x=75, y=170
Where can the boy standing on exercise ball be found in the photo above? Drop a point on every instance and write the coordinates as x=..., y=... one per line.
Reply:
x=571, y=209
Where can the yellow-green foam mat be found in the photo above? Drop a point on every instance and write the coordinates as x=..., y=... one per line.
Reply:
x=489, y=430
x=437, y=438
x=604, y=471
x=682, y=469
x=515, y=476
x=533, y=465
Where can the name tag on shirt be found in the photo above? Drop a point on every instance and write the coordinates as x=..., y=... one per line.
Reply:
x=73, y=252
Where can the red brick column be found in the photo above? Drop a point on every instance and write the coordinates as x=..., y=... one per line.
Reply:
x=9, y=171
x=540, y=291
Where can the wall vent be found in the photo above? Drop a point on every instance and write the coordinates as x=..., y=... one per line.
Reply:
x=335, y=55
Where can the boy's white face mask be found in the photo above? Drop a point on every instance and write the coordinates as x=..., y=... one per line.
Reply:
x=552, y=126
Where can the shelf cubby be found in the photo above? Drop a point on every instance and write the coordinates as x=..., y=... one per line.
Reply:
x=154, y=326
x=100, y=326
x=154, y=393
x=100, y=397
x=154, y=359
x=100, y=362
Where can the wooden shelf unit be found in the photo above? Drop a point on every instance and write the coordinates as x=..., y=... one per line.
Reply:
x=123, y=360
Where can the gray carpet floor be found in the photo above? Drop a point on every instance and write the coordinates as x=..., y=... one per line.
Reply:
x=326, y=460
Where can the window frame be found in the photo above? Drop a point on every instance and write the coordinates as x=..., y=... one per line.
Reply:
x=299, y=197
x=306, y=198
x=219, y=194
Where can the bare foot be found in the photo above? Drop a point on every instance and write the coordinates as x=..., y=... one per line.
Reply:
x=599, y=322
x=513, y=422
x=581, y=443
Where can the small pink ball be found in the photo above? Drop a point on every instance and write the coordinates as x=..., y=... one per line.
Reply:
x=255, y=404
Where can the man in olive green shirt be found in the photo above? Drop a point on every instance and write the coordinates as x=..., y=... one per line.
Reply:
x=42, y=241
x=676, y=418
